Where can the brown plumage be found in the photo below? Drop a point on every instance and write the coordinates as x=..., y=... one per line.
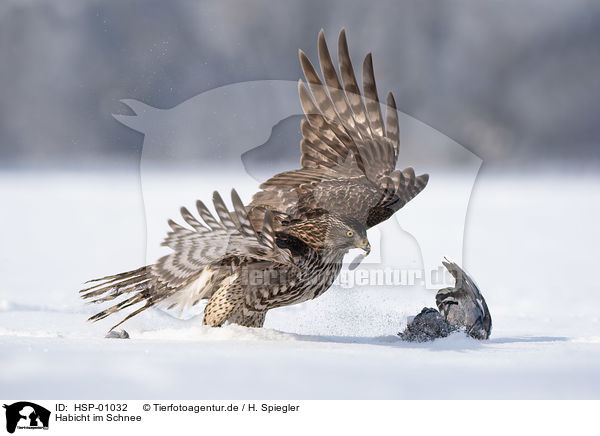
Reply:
x=286, y=246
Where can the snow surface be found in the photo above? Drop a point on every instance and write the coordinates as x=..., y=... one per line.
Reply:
x=529, y=243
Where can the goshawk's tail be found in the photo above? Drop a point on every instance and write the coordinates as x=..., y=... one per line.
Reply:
x=135, y=286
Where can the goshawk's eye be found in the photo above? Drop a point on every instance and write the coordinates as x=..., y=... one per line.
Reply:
x=349, y=233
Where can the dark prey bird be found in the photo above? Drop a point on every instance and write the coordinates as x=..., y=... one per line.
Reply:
x=286, y=246
x=463, y=306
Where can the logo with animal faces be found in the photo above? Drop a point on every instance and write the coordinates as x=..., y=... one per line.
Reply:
x=25, y=415
x=244, y=133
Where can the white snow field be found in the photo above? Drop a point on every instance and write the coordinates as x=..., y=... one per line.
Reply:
x=530, y=243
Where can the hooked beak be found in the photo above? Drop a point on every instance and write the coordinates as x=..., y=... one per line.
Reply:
x=365, y=246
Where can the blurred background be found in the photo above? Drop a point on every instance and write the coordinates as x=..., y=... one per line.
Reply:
x=516, y=82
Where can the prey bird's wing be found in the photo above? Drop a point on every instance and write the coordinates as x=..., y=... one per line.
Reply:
x=349, y=153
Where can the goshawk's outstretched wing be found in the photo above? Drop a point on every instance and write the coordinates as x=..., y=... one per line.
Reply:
x=233, y=235
x=349, y=153
x=204, y=248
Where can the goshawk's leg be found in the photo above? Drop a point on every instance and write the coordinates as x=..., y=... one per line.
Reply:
x=223, y=303
x=247, y=317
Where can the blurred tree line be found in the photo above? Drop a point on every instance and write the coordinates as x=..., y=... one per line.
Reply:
x=514, y=81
